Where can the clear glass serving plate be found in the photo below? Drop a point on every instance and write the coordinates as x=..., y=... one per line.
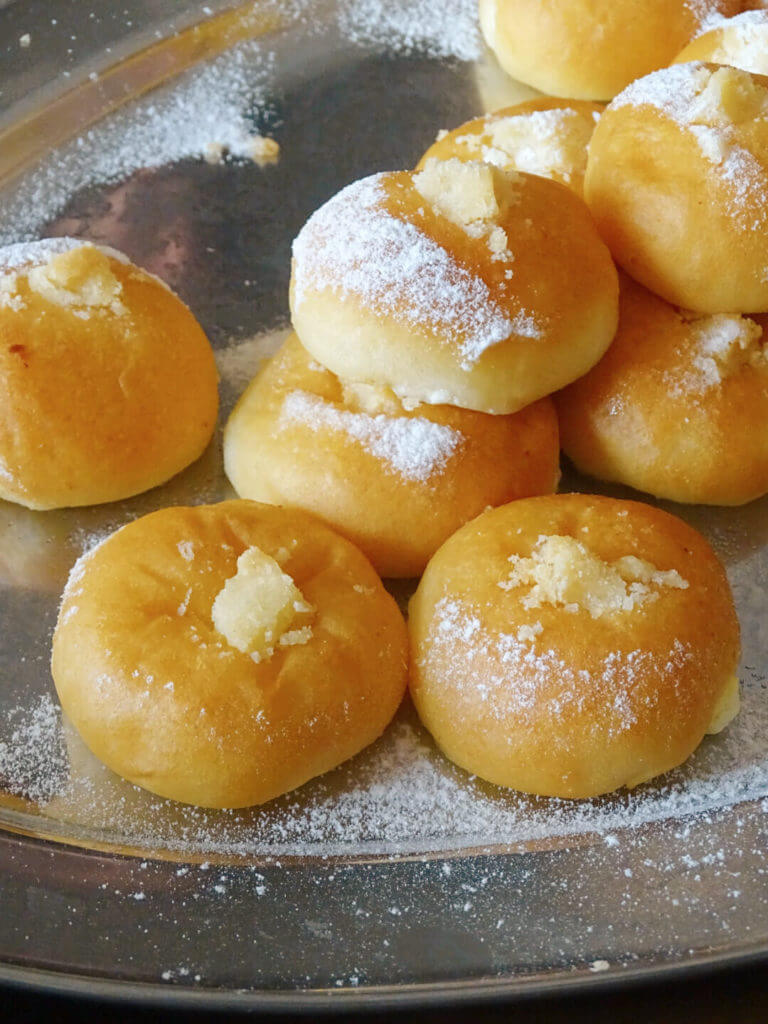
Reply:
x=397, y=877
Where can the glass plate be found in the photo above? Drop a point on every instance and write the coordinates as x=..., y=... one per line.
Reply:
x=397, y=877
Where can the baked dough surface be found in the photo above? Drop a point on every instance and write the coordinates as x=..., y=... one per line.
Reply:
x=108, y=383
x=676, y=407
x=391, y=289
x=677, y=181
x=164, y=699
x=592, y=49
x=397, y=482
x=569, y=645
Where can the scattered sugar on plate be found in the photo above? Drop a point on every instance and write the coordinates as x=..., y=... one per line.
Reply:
x=445, y=29
x=213, y=110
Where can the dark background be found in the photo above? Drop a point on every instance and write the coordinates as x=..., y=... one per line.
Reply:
x=734, y=996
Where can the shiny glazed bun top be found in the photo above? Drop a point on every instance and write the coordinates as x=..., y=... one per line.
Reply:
x=571, y=644
x=224, y=654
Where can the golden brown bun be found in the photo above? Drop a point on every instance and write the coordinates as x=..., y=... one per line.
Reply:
x=161, y=696
x=677, y=406
x=544, y=136
x=395, y=482
x=741, y=41
x=109, y=385
x=591, y=49
x=387, y=290
x=677, y=180
x=549, y=699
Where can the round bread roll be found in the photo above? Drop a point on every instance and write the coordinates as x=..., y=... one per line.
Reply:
x=396, y=482
x=569, y=645
x=460, y=285
x=224, y=654
x=677, y=406
x=591, y=49
x=544, y=136
x=677, y=180
x=109, y=384
x=741, y=41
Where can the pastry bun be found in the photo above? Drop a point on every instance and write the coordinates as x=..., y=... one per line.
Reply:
x=222, y=655
x=459, y=285
x=677, y=180
x=676, y=406
x=741, y=41
x=569, y=645
x=397, y=482
x=544, y=136
x=591, y=49
x=109, y=384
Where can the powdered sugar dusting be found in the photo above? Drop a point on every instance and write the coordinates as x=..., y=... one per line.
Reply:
x=687, y=94
x=721, y=345
x=33, y=762
x=708, y=13
x=742, y=40
x=447, y=29
x=352, y=246
x=31, y=254
x=210, y=104
x=413, y=447
x=534, y=684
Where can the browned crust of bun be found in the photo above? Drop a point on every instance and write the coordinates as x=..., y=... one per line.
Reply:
x=589, y=49
x=587, y=705
x=561, y=274
x=690, y=229
x=100, y=408
x=397, y=522
x=644, y=417
x=162, y=698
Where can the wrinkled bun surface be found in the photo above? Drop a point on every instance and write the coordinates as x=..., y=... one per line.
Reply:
x=397, y=482
x=386, y=289
x=591, y=49
x=677, y=180
x=109, y=385
x=677, y=406
x=545, y=136
x=163, y=698
x=569, y=645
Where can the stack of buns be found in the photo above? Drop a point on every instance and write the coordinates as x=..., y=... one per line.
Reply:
x=434, y=313
x=565, y=645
